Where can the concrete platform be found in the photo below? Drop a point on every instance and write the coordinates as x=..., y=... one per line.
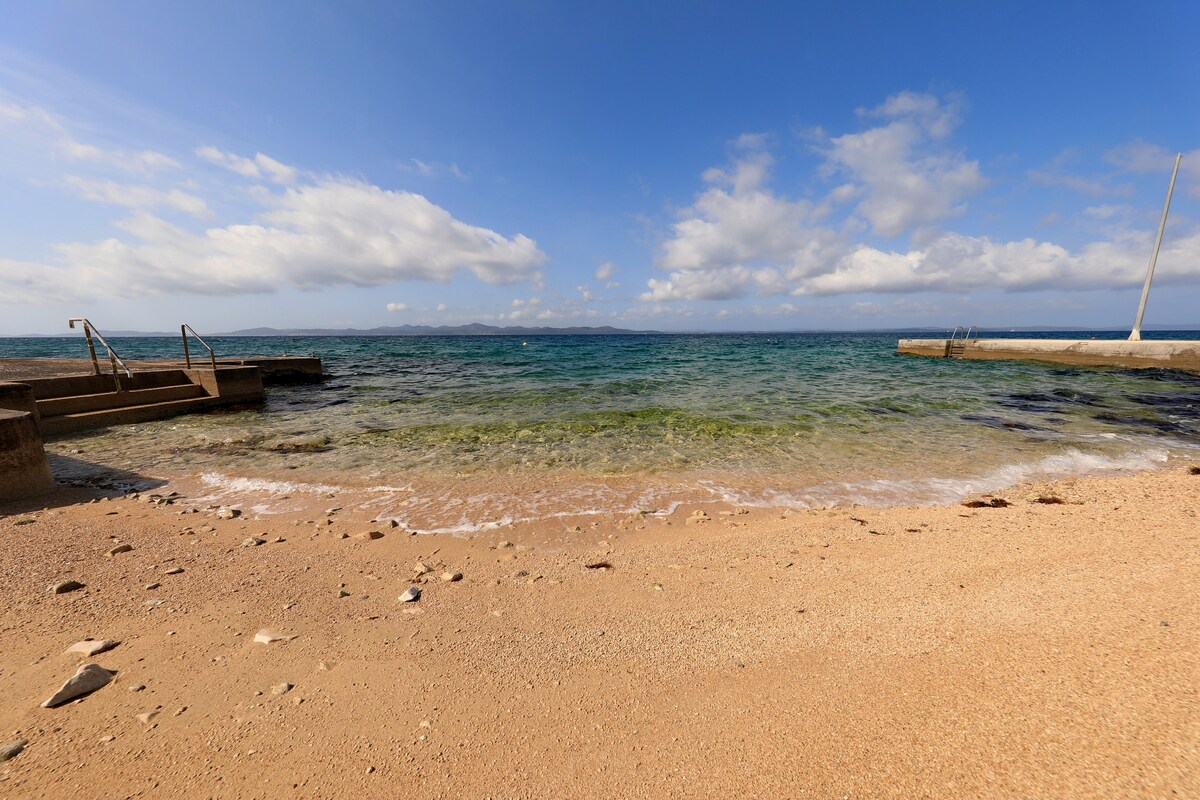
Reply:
x=1162, y=353
x=274, y=369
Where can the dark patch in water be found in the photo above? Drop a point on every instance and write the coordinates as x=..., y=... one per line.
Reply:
x=1002, y=424
x=1141, y=423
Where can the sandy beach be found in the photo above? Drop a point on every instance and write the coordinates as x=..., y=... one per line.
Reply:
x=1030, y=650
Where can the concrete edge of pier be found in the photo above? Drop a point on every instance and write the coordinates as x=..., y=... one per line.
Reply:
x=1163, y=353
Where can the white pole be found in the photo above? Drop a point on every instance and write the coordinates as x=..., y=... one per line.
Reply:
x=1136, y=334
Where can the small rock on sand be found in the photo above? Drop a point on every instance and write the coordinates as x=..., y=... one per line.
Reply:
x=369, y=535
x=147, y=717
x=281, y=688
x=153, y=585
x=229, y=513
x=342, y=593
x=174, y=571
x=138, y=687
x=121, y=548
x=421, y=568
x=412, y=595
x=698, y=517
x=266, y=636
x=88, y=678
x=452, y=577
x=65, y=586
x=12, y=749
x=91, y=647
x=253, y=541
x=503, y=544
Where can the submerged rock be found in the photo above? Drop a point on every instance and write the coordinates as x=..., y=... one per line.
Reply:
x=91, y=647
x=88, y=678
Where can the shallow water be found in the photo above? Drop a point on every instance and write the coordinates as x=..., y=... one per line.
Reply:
x=458, y=432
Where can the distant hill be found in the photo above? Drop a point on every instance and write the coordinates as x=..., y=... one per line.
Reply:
x=473, y=329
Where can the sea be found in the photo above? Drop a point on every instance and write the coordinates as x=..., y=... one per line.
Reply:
x=463, y=433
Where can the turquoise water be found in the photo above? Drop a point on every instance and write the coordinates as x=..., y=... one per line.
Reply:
x=800, y=419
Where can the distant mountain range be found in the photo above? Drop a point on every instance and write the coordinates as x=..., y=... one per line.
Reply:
x=474, y=329
x=479, y=329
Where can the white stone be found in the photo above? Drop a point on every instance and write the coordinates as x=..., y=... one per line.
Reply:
x=91, y=647
x=88, y=678
x=412, y=595
x=266, y=636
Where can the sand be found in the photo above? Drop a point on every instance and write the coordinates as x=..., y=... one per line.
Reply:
x=1037, y=650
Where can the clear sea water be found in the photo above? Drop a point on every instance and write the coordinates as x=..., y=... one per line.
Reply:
x=454, y=433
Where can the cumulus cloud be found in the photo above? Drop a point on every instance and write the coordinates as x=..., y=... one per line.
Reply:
x=396, y=307
x=741, y=238
x=904, y=171
x=605, y=271
x=335, y=231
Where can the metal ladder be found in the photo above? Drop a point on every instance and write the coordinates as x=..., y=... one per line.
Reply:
x=88, y=330
x=956, y=346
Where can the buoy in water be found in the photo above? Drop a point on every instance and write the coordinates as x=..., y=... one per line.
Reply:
x=524, y=344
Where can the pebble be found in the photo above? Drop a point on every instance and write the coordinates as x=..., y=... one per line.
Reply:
x=121, y=548
x=107, y=739
x=229, y=513
x=266, y=636
x=66, y=586
x=91, y=647
x=88, y=678
x=421, y=568
x=369, y=535
x=412, y=595
x=698, y=516
x=452, y=577
x=343, y=535
x=503, y=544
x=12, y=749
x=253, y=541
x=343, y=593
x=282, y=688
x=138, y=687
x=153, y=585
x=174, y=571
x=393, y=523
x=148, y=717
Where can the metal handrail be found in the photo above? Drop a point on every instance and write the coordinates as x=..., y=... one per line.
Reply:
x=187, y=356
x=113, y=358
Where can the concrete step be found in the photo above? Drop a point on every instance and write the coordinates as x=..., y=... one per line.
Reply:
x=80, y=403
x=102, y=418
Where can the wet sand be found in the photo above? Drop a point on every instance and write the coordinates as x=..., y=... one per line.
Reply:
x=1034, y=650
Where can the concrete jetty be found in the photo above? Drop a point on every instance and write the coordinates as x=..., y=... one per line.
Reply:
x=1170, y=354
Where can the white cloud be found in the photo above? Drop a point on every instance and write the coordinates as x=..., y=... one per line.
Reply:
x=585, y=293
x=335, y=231
x=396, y=307
x=904, y=172
x=143, y=198
x=740, y=238
x=605, y=271
x=261, y=166
x=440, y=307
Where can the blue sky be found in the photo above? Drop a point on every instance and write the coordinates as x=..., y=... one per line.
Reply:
x=685, y=166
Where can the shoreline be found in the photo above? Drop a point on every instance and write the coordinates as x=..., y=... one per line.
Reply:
x=1041, y=649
